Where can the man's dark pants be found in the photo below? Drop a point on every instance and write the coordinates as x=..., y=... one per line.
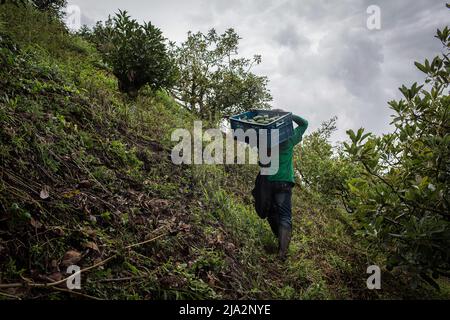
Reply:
x=281, y=209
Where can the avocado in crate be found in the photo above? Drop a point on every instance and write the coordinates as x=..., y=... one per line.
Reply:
x=264, y=119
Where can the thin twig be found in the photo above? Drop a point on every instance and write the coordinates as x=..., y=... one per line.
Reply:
x=55, y=283
x=98, y=264
x=122, y=279
x=9, y=295
x=77, y=293
x=146, y=241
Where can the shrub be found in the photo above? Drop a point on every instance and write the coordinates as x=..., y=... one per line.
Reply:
x=402, y=200
x=323, y=168
x=136, y=53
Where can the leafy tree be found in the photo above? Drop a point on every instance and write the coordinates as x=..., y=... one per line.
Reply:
x=402, y=201
x=54, y=6
x=214, y=81
x=136, y=53
x=325, y=169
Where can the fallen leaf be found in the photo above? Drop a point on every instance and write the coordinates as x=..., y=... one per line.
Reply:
x=71, y=257
x=211, y=278
x=85, y=184
x=98, y=260
x=184, y=227
x=229, y=246
x=59, y=231
x=89, y=232
x=54, y=263
x=56, y=276
x=35, y=223
x=220, y=238
x=44, y=192
x=91, y=245
x=158, y=203
x=140, y=220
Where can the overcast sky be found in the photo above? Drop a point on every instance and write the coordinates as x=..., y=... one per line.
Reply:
x=319, y=56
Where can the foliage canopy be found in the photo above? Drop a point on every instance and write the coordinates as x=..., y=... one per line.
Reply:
x=214, y=82
x=136, y=53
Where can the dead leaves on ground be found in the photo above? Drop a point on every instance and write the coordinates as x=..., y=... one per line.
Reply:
x=71, y=257
x=91, y=245
x=45, y=192
x=35, y=223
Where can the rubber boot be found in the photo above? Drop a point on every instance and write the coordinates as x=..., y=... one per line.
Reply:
x=284, y=238
x=274, y=224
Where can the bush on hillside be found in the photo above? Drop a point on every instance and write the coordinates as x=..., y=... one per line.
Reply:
x=402, y=201
x=136, y=53
x=323, y=168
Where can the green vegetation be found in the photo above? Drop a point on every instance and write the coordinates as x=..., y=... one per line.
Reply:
x=136, y=53
x=53, y=6
x=395, y=187
x=401, y=201
x=86, y=178
x=214, y=81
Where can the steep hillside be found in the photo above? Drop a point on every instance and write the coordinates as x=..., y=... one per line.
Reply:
x=86, y=178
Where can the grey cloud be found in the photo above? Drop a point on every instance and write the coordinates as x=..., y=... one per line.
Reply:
x=319, y=56
x=291, y=38
x=356, y=60
x=86, y=20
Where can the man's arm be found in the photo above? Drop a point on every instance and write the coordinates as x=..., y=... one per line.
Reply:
x=302, y=124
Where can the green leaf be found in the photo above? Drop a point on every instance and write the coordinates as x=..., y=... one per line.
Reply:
x=365, y=136
x=405, y=92
x=359, y=134
x=430, y=281
x=352, y=135
x=421, y=67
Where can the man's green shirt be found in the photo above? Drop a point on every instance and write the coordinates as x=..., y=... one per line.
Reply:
x=286, y=166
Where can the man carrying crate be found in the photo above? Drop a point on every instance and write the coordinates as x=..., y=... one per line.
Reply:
x=273, y=193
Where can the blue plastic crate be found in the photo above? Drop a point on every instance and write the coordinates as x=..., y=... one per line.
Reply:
x=283, y=124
